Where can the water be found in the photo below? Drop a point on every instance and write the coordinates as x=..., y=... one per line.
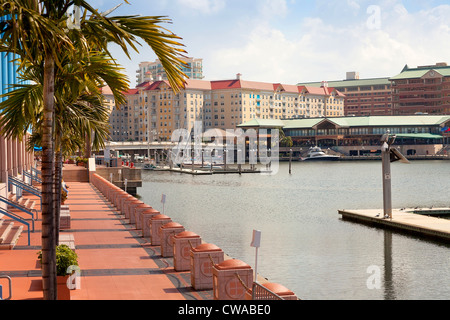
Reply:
x=305, y=245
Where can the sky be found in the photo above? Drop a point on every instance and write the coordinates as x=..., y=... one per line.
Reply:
x=297, y=41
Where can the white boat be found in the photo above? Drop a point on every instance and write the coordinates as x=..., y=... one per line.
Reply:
x=316, y=154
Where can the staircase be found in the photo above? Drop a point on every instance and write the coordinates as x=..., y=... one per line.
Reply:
x=9, y=234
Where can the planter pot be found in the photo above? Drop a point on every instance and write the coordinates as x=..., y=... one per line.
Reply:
x=62, y=289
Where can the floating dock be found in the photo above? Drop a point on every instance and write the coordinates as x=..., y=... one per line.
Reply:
x=422, y=222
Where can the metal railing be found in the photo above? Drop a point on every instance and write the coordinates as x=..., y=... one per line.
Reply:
x=18, y=219
x=10, y=287
x=32, y=177
x=258, y=291
x=21, y=208
x=35, y=171
x=12, y=181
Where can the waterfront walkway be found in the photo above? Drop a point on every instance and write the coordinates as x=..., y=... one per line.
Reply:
x=116, y=262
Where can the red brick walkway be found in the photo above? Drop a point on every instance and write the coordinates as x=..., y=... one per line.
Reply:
x=116, y=262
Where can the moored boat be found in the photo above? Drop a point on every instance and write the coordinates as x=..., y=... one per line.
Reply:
x=316, y=154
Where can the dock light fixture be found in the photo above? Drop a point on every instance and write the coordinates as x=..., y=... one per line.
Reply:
x=388, y=155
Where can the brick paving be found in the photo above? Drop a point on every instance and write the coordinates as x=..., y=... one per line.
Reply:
x=116, y=262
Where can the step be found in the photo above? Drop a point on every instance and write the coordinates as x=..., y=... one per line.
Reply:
x=5, y=228
x=11, y=240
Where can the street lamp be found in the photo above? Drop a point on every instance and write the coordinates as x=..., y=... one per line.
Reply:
x=388, y=155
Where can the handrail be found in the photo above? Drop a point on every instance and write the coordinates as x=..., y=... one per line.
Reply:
x=258, y=291
x=36, y=171
x=33, y=189
x=10, y=287
x=18, y=219
x=32, y=177
x=28, y=188
x=19, y=207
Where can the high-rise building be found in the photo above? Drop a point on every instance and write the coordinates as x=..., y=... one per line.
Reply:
x=154, y=111
x=154, y=71
x=425, y=89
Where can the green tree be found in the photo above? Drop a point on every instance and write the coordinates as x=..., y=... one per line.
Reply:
x=37, y=31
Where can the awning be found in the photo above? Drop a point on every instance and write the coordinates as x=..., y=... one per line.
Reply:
x=419, y=136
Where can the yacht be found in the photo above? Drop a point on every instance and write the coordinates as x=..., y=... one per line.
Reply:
x=316, y=154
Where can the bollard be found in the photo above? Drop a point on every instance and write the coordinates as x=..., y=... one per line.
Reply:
x=146, y=217
x=137, y=214
x=231, y=280
x=167, y=232
x=126, y=205
x=155, y=223
x=122, y=203
x=182, y=244
x=131, y=210
x=202, y=259
x=276, y=288
x=118, y=200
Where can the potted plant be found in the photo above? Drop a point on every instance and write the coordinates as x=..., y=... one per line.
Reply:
x=65, y=257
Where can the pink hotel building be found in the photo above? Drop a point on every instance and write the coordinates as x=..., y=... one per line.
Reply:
x=153, y=110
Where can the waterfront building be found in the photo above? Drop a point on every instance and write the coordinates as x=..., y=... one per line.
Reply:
x=356, y=136
x=425, y=89
x=154, y=70
x=363, y=97
x=153, y=111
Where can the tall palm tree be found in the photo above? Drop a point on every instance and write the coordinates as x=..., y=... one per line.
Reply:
x=36, y=30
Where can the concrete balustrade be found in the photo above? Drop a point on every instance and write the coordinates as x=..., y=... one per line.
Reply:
x=167, y=232
x=155, y=223
x=138, y=213
x=231, y=279
x=129, y=210
x=183, y=242
x=202, y=259
x=145, y=219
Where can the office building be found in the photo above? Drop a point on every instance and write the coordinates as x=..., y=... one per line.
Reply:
x=422, y=90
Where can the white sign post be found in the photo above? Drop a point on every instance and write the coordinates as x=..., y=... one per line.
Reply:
x=256, y=243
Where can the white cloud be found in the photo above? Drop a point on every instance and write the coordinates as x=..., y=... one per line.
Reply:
x=271, y=8
x=204, y=6
x=322, y=50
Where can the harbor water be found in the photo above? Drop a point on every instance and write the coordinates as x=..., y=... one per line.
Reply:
x=305, y=244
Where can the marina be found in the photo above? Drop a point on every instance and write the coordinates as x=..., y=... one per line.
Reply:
x=305, y=244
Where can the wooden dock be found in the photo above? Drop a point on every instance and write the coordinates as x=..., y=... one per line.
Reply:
x=406, y=220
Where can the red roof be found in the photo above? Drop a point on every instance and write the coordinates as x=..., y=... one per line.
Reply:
x=239, y=84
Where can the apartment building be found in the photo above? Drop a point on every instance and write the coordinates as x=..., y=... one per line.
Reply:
x=425, y=89
x=154, y=70
x=363, y=97
x=154, y=111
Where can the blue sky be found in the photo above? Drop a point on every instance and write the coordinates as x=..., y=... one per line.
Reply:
x=291, y=41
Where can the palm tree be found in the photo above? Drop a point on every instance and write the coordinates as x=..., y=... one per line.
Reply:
x=37, y=32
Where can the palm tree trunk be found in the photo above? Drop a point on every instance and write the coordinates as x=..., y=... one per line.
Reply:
x=48, y=220
x=58, y=184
